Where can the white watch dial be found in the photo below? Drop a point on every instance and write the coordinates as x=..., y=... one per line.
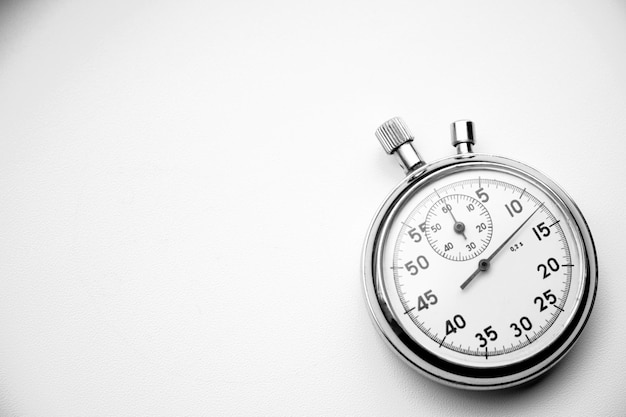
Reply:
x=482, y=267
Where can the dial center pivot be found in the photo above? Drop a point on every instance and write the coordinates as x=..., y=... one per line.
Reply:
x=484, y=264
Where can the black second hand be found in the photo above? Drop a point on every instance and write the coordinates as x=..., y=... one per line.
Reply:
x=486, y=262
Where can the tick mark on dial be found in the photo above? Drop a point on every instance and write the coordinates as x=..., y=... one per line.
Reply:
x=444, y=338
x=559, y=308
x=528, y=338
x=554, y=223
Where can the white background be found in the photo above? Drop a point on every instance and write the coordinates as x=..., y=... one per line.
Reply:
x=185, y=188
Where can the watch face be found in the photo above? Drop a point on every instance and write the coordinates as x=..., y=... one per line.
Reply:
x=482, y=269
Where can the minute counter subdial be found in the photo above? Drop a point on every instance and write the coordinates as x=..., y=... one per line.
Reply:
x=458, y=227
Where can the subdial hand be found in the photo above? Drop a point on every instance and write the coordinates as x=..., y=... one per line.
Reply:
x=459, y=227
x=484, y=264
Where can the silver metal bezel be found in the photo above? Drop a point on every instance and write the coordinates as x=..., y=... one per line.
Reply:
x=438, y=368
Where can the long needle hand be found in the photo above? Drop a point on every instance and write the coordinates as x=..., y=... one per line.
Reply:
x=483, y=264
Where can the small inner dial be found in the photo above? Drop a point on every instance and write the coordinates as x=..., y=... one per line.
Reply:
x=458, y=227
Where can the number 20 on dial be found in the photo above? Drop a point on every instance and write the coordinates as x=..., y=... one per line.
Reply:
x=479, y=271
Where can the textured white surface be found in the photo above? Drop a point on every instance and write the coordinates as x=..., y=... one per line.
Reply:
x=185, y=188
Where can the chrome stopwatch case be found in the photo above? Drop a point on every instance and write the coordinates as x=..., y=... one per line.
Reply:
x=479, y=271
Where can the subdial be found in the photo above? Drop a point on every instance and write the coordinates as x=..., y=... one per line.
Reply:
x=458, y=227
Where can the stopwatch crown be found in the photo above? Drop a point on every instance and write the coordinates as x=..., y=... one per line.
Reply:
x=396, y=138
x=393, y=133
x=462, y=133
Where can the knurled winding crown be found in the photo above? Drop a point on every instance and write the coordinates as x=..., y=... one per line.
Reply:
x=393, y=133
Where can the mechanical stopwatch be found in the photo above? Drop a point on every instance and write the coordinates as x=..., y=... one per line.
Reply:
x=479, y=271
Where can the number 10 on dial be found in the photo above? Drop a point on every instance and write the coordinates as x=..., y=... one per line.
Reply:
x=479, y=270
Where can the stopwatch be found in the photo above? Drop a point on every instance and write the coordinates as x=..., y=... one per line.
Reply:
x=479, y=271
